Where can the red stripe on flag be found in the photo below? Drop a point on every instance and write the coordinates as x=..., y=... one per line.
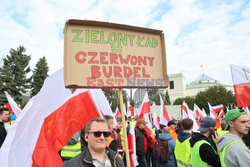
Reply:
x=242, y=94
x=60, y=126
x=165, y=113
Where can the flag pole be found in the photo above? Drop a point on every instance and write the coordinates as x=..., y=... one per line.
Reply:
x=124, y=128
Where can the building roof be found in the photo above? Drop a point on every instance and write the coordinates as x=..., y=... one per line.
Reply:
x=204, y=79
x=204, y=85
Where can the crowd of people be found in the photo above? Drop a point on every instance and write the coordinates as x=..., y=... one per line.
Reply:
x=101, y=143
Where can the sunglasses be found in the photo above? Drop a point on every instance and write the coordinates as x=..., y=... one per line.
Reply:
x=99, y=133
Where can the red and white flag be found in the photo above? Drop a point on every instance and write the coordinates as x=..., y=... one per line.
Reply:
x=190, y=115
x=203, y=112
x=145, y=107
x=221, y=114
x=130, y=110
x=132, y=146
x=12, y=106
x=241, y=81
x=184, y=109
x=117, y=112
x=164, y=115
x=218, y=108
x=213, y=114
x=156, y=121
x=197, y=112
x=49, y=121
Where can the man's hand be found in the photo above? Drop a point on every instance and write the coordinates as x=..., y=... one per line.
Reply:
x=215, y=137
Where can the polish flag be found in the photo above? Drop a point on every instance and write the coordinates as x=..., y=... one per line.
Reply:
x=241, y=81
x=145, y=106
x=218, y=108
x=190, y=115
x=156, y=121
x=197, y=112
x=146, y=118
x=48, y=122
x=164, y=115
x=117, y=113
x=221, y=114
x=132, y=146
x=12, y=106
x=130, y=110
x=213, y=114
x=184, y=109
x=203, y=112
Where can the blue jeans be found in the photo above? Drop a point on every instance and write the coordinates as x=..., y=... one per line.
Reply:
x=142, y=161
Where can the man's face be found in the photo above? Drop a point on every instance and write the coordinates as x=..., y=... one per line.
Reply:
x=5, y=116
x=119, y=125
x=173, y=126
x=240, y=125
x=97, y=144
x=141, y=126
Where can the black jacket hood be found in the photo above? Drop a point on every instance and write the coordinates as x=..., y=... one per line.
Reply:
x=197, y=137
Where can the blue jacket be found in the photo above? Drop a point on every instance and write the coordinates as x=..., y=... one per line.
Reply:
x=171, y=146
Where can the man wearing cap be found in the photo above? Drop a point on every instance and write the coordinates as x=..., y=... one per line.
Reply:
x=172, y=126
x=233, y=150
x=141, y=143
x=202, y=152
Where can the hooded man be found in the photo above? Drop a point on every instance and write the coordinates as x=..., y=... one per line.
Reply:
x=202, y=152
x=182, y=147
x=233, y=150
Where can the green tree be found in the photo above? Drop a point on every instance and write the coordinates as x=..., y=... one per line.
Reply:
x=215, y=95
x=190, y=100
x=153, y=95
x=40, y=73
x=13, y=75
x=113, y=97
x=166, y=98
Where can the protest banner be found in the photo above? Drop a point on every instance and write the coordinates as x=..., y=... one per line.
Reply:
x=109, y=55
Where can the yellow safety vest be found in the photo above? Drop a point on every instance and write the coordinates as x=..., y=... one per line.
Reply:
x=182, y=153
x=70, y=151
x=223, y=152
x=122, y=136
x=195, y=158
x=222, y=132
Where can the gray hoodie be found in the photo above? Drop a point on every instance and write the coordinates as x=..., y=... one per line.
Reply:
x=237, y=154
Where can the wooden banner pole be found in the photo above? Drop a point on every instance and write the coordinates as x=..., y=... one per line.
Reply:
x=124, y=128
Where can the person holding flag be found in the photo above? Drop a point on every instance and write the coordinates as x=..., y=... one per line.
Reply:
x=141, y=143
x=4, y=113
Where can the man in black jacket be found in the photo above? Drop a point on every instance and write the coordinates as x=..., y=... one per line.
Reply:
x=141, y=143
x=4, y=115
x=202, y=151
x=96, y=153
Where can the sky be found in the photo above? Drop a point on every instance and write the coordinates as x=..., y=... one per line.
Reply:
x=211, y=34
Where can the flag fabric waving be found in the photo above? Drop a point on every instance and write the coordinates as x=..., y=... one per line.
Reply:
x=145, y=106
x=132, y=146
x=241, y=81
x=164, y=115
x=197, y=112
x=117, y=112
x=184, y=109
x=156, y=121
x=49, y=121
x=218, y=108
x=213, y=114
x=12, y=106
